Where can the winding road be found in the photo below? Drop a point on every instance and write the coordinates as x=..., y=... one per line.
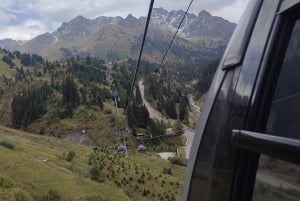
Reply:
x=153, y=113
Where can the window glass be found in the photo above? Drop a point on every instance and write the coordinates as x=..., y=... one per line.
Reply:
x=285, y=110
x=277, y=179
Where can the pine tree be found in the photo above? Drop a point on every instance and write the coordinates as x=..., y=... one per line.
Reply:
x=100, y=102
x=70, y=93
x=170, y=109
x=183, y=109
x=29, y=104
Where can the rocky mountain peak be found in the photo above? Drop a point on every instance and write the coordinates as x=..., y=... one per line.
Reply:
x=130, y=17
x=159, y=12
x=79, y=18
x=204, y=25
x=10, y=44
x=77, y=27
x=204, y=13
x=130, y=22
x=106, y=33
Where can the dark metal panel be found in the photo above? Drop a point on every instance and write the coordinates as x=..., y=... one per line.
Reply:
x=287, y=4
x=212, y=176
x=256, y=51
x=247, y=162
x=204, y=185
x=210, y=100
x=265, y=87
x=202, y=121
x=279, y=147
x=205, y=113
x=240, y=38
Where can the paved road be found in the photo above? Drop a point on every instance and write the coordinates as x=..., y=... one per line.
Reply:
x=166, y=155
x=189, y=137
x=275, y=182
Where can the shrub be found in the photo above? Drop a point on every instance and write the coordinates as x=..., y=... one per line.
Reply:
x=178, y=161
x=94, y=198
x=22, y=196
x=107, y=111
x=70, y=156
x=94, y=173
x=7, y=144
x=51, y=196
x=5, y=182
x=112, y=118
x=42, y=131
x=167, y=171
x=66, y=112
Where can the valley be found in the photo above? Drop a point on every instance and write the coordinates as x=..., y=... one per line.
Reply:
x=64, y=115
x=63, y=100
x=74, y=126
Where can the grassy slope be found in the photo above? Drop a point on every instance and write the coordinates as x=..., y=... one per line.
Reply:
x=4, y=67
x=99, y=124
x=25, y=169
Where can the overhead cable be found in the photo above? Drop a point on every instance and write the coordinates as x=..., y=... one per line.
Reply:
x=140, y=55
x=174, y=36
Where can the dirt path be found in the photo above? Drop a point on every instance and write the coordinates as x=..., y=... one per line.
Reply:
x=154, y=114
x=195, y=108
x=157, y=115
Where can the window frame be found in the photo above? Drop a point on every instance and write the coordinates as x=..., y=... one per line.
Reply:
x=236, y=100
x=223, y=94
x=261, y=104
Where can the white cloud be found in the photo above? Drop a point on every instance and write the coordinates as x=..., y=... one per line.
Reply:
x=65, y=10
x=234, y=11
x=6, y=17
x=14, y=14
x=25, y=31
x=17, y=6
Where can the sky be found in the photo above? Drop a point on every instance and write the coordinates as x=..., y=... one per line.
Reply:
x=25, y=19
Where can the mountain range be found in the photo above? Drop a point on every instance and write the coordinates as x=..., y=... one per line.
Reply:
x=200, y=37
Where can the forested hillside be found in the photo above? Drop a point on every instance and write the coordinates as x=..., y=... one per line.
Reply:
x=83, y=99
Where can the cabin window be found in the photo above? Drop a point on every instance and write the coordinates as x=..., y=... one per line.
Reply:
x=284, y=117
x=277, y=179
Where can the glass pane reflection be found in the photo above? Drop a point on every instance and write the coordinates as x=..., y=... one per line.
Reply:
x=277, y=180
x=285, y=111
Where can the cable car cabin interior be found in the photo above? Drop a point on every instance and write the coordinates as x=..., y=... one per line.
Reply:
x=251, y=115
